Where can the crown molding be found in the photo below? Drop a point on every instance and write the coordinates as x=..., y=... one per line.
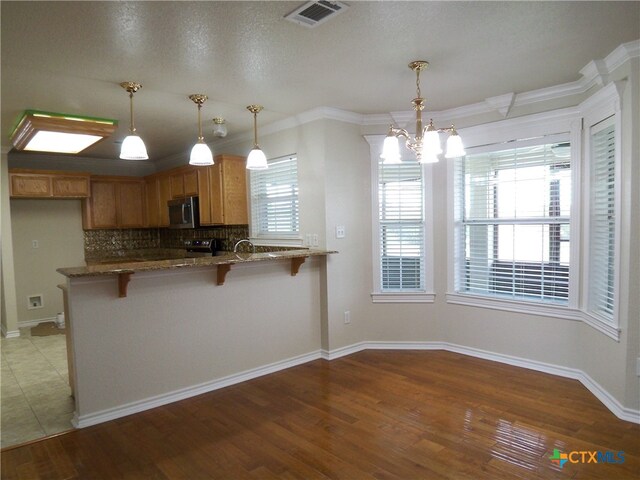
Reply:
x=596, y=72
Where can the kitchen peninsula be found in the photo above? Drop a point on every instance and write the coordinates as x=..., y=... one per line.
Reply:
x=167, y=330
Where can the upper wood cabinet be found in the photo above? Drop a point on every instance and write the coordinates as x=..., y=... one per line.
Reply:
x=184, y=184
x=115, y=202
x=158, y=193
x=228, y=182
x=48, y=184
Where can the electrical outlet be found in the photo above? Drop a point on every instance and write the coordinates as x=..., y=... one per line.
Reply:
x=347, y=317
x=340, y=231
x=314, y=240
x=35, y=244
x=307, y=240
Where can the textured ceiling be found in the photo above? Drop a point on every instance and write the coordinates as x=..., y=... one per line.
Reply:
x=70, y=57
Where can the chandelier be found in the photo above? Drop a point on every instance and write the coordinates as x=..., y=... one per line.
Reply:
x=426, y=143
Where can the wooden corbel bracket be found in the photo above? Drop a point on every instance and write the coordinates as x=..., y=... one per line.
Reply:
x=223, y=269
x=123, y=282
x=295, y=265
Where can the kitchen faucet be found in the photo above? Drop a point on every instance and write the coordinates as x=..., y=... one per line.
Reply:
x=235, y=247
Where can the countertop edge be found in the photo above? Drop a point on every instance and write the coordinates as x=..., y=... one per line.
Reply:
x=231, y=259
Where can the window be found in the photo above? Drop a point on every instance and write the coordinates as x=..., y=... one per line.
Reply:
x=513, y=225
x=602, y=221
x=274, y=201
x=401, y=227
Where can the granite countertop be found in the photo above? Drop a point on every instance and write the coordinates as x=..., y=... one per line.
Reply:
x=167, y=264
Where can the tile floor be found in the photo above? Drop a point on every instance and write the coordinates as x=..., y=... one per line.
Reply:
x=35, y=396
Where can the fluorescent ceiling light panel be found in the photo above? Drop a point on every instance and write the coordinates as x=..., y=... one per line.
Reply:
x=59, y=133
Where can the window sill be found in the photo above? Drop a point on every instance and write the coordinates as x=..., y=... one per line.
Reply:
x=403, y=297
x=518, y=306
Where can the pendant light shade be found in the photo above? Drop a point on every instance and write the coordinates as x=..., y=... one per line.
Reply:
x=256, y=160
x=455, y=148
x=390, y=150
x=200, y=153
x=133, y=147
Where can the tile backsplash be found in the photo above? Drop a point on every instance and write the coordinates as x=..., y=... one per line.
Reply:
x=117, y=242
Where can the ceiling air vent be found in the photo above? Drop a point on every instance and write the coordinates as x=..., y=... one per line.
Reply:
x=312, y=14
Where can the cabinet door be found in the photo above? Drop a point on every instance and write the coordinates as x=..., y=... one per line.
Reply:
x=234, y=191
x=215, y=184
x=164, y=188
x=191, y=182
x=71, y=186
x=131, y=204
x=25, y=185
x=153, y=202
x=177, y=185
x=204, y=195
x=102, y=205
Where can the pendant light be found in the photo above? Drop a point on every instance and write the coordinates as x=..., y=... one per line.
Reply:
x=133, y=147
x=200, y=153
x=256, y=159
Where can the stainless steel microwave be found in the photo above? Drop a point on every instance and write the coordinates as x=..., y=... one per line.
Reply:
x=183, y=213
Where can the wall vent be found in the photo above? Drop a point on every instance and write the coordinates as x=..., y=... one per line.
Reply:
x=312, y=14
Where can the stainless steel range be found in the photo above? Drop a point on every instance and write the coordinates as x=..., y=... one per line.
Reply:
x=201, y=248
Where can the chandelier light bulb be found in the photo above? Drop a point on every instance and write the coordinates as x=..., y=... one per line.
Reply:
x=390, y=150
x=455, y=148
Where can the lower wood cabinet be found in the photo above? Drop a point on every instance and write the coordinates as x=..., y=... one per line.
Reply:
x=115, y=202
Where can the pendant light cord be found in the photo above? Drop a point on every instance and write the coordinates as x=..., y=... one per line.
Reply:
x=200, y=136
x=132, y=128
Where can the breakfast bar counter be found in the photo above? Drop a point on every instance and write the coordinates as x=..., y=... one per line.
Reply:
x=147, y=333
x=222, y=262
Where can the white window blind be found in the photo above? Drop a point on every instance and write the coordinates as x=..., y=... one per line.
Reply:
x=513, y=223
x=274, y=199
x=602, y=222
x=401, y=223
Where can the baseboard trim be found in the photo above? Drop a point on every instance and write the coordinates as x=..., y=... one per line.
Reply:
x=596, y=389
x=35, y=323
x=182, y=394
x=9, y=333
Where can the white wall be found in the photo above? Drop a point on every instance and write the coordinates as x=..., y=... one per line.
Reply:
x=57, y=227
x=177, y=331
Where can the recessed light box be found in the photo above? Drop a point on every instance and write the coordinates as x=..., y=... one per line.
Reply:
x=58, y=132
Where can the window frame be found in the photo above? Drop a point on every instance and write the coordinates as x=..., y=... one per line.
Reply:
x=378, y=295
x=532, y=129
x=602, y=107
x=278, y=238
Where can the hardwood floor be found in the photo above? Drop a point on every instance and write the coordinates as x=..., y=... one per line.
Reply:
x=371, y=415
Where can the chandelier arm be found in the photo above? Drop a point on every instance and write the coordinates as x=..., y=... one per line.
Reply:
x=400, y=132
